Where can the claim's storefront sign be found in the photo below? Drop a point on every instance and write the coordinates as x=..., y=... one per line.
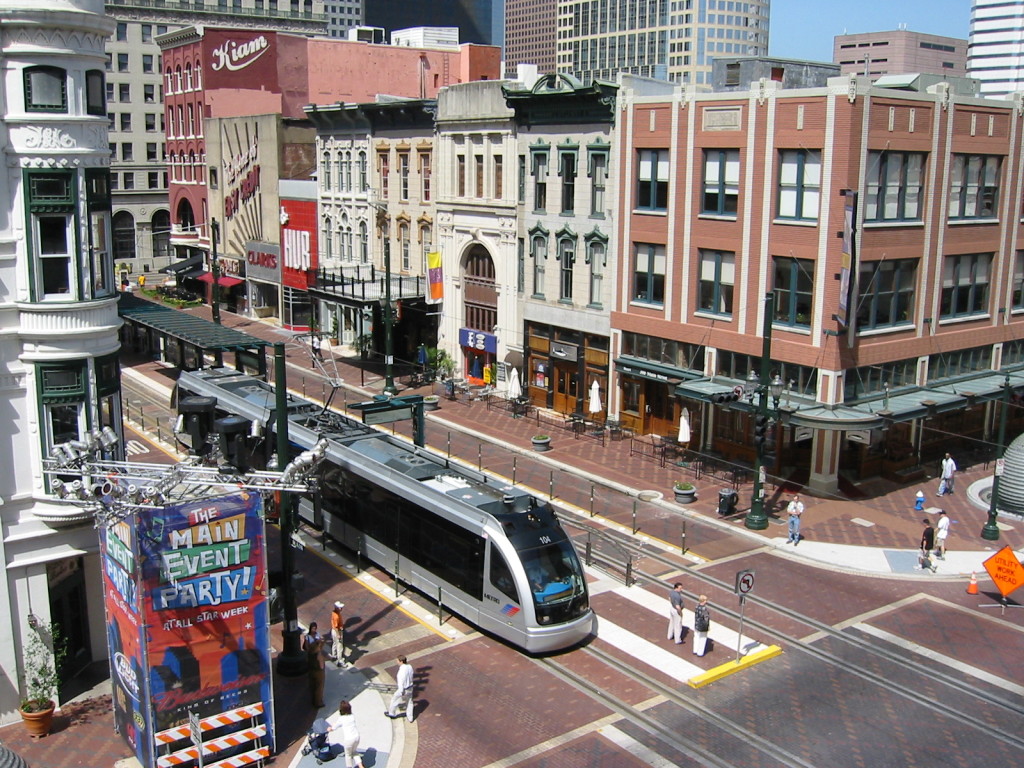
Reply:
x=263, y=262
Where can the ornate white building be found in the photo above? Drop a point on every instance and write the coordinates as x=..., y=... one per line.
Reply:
x=59, y=375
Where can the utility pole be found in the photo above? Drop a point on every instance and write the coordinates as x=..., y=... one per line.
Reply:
x=215, y=269
x=389, y=343
x=757, y=519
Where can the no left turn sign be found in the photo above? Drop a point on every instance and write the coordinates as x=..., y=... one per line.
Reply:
x=744, y=582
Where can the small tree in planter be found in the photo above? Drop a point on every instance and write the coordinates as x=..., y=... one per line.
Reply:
x=686, y=492
x=364, y=345
x=541, y=443
x=41, y=670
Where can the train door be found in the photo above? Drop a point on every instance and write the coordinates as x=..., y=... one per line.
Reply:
x=566, y=387
x=501, y=608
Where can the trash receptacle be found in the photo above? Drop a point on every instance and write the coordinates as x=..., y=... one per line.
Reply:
x=727, y=499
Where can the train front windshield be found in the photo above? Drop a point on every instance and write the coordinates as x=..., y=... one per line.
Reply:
x=556, y=581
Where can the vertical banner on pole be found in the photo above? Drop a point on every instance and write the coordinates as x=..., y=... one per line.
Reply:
x=849, y=261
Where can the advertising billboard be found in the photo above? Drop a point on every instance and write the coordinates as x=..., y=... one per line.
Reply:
x=189, y=630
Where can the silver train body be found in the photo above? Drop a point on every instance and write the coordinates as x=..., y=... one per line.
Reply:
x=495, y=555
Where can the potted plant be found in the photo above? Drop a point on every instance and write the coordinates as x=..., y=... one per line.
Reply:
x=686, y=492
x=440, y=361
x=541, y=443
x=41, y=669
x=364, y=344
x=333, y=338
x=431, y=402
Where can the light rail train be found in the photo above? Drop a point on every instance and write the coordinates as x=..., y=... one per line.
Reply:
x=497, y=556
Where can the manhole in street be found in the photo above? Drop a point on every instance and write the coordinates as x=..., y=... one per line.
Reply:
x=649, y=495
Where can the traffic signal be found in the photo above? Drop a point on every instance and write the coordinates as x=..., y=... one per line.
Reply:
x=761, y=422
x=724, y=397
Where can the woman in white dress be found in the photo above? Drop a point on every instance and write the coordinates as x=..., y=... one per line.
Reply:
x=349, y=735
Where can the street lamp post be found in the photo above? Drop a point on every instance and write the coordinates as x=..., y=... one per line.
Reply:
x=389, y=343
x=757, y=518
x=215, y=269
x=990, y=531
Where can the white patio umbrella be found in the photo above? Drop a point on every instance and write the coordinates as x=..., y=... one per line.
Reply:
x=515, y=389
x=595, y=397
x=684, y=426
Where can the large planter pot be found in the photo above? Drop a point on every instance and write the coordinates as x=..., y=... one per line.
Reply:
x=38, y=724
x=684, y=496
x=541, y=443
x=431, y=402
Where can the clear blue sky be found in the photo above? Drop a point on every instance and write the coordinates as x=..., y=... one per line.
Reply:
x=803, y=29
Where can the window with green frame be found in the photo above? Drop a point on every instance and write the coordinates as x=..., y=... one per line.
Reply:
x=539, y=170
x=794, y=285
x=46, y=89
x=597, y=169
x=101, y=258
x=872, y=380
x=965, y=284
x=52, y=234
x=567, y=160
x=62, y=397
x=886, y=293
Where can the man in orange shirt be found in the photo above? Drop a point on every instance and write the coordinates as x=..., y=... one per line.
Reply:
x=337, y=634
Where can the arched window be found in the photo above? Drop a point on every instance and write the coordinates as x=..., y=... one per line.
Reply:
x=426, y=244
x=325, y=234
x=191, y=120
x=481, y=304
x=363, y=186
x=403, y=244
x=364, y=243
x=325, y=171
x=169, y=81
x=340, y=172
x=199, y=76
x=177, y=79
x=566, y=260
x=539, y=254
x=188, y=77
x=124, y=236
x=597, y=258
x=191, y=172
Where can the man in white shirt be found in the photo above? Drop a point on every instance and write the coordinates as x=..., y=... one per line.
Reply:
x=948, y=472
x=404, y=693
x=941, y=531
x=795, y=510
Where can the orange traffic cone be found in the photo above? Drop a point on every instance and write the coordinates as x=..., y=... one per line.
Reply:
x=972, y=588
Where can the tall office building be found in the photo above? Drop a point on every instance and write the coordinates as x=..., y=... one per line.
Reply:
x=134, y=90
x=995, y=53
x=900, y=51
x=674, y=41
x=479, y=21
x=343, y=15
x=530, y=34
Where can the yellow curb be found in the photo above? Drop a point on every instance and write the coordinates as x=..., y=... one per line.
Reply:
x=724, y=670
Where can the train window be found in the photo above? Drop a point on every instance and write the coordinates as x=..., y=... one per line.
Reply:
x=501, y=575
x=554, y=572
x=449, y=551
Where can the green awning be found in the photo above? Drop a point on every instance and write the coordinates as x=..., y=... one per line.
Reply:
x=181, y=325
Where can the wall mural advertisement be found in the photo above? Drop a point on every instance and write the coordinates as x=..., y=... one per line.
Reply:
x=240, y=59
x=196, y=575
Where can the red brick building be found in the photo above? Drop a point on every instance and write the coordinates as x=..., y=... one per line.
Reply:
x=885, y=224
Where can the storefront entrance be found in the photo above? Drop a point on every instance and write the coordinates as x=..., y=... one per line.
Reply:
x=566, y=394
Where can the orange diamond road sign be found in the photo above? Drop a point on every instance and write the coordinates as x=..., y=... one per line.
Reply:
x=1005, y=570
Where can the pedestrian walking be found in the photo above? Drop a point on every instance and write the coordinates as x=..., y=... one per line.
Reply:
x=795, y=510
x=403, y=695
x=349, y=735
x=338, y=634
x=675, y=613
x=948, y=476
x=701, y=625
x=316, y=667
x=924, y=561
x=941, y=532
x=312, y=636
x=314, y=344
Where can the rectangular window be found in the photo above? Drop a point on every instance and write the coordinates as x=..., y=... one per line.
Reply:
x=403, y=175
x=597, y=258
x=540, y=180
x=895, y=183
x=652, y=180
x=404, y=244
x=126, y=151
x=95, y=93
x=521, y=267
x=46, y=89
x=101, y=260
x=124, y=92
x=110, y=91
x=539, y=254
x=126, y=121
x=129, y=180
x=149, y=94
x=150, y=119
x=498, y=180
x=425, y=176
x=794, y=283
x=965, y=284
x=799, y=184
x=521, y=181
x=122, y=62
x=54, y=237
x=886, y=293
x=147, y=33
x=147, y=63
x=567, y=170
x=721, y=181
x=598, y=182
x=566, y=259
x=461, y=178
x=1018, y=282
x=974, y=190
x=153, y=180
x=121, y=32
x=384, y=171
x=649, y=273
x=717, y=279
x=151, y=151
x=478, y=175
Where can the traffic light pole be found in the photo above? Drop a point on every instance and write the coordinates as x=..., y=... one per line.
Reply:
x=990, y=531
x=757, y=518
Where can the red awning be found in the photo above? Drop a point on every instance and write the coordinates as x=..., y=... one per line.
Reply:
x=224, y=281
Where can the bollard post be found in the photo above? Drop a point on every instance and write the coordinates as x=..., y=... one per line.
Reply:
x=634, y=517
x=480, y=456
x=396, y=577
x=682, y=546
x=159, y=432
x=588, y=552
x=629, y=572
x=551, y=484
x=449, y=445
x=514, y=459
x=591, y=499
x=440, y=607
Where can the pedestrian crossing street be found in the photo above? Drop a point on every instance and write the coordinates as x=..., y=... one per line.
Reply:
x=653, y=651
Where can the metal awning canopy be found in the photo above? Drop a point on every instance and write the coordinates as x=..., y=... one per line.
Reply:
x=185, y=327
x=185, y=265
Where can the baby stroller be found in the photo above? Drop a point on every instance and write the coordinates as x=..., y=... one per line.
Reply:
x=316, y=742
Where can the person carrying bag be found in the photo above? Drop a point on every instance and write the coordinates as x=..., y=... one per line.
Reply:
x=701, y=625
